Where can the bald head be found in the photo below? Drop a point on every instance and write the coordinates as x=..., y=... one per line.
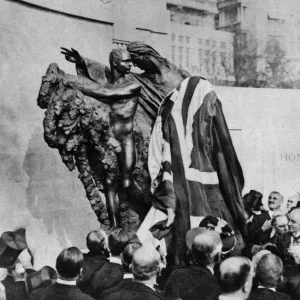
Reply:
x=145, y=263
x=206, y=248
x=269, y=270
x=292, y=202
x=235, y=272
x=256, y=258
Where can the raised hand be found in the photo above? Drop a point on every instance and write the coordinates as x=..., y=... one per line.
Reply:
x=72, y=55
x=267, y=225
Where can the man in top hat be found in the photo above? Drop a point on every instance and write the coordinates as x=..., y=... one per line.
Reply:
x=197, y=281
x=14, y=283
x=12, y=245
x=260, y=229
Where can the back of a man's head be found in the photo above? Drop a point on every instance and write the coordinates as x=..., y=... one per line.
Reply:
x=145, y=263
x=69, y=262
x=269, y=270
x=127, y=255
x=117, y=241
x=207, y=248
x=234, y=272
x=97, y=241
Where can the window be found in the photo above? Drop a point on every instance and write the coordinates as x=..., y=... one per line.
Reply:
x=200, y=57
x=206, y=60
x=187, y=58
x=207, y=42
x=214, y=60
x=223, y=57
x=231, y=16
x=187, y=39
x=223, y=45
x=214, y=44
x=173, y=54
x=173, y=37
x=180, y=59
x=200, y=41
x=181, y=39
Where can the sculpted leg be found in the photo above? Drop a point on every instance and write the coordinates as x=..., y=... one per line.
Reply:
x=112, y=202
x=127, y=159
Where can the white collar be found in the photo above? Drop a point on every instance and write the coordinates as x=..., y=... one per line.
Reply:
x=271, y=213
x=150, y=286
x=147, y=284
x=228, y=297
x=115, y=260
x=263, y=287
x=210, y=269
x=128, y=276
x=66, y=282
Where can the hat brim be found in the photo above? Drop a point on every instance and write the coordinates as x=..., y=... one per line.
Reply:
x=228, y=243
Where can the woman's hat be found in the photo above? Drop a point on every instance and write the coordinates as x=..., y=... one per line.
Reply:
x=222, y=227
x=253, y=200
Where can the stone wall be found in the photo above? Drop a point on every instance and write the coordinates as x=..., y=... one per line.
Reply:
x=265, y=126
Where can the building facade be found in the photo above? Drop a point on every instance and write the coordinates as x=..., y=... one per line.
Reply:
x=196, y=45
x=265, y=20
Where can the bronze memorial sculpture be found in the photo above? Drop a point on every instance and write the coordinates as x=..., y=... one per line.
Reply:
x=189, y=170
x=122, y=95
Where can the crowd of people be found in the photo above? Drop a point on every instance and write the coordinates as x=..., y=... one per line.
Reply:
x=118, y=266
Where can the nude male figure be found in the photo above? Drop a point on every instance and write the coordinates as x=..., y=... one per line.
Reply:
x=122, y=95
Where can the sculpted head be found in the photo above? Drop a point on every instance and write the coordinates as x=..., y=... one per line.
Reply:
x=145, y=263
x=120, y=60
x=143, y=55
x=294, y=220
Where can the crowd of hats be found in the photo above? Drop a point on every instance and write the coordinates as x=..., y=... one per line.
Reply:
x=12, y=244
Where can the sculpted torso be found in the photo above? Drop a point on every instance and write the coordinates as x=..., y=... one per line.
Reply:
x=123, y=110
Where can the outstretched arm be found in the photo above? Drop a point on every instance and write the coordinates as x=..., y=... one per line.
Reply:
x=104, y=94
x=101, y=93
